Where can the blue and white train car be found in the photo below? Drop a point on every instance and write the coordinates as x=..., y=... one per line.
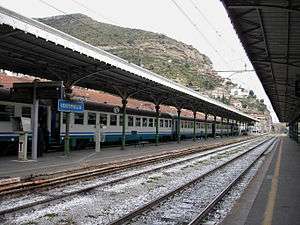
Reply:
x=140, y=124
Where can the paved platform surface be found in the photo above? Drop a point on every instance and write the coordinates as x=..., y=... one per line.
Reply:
x=55, y=161
x=273, y=197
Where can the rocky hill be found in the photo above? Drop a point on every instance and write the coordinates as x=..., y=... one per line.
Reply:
x=157, y=52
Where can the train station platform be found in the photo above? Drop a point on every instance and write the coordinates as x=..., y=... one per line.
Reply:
x=55, y=161
x=273, y=196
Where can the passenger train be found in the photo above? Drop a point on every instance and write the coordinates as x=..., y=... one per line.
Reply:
x=140, y=125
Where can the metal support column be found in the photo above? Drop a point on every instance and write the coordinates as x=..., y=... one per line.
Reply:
x=221, y=127
x=35, y=124
x=157, y=107
x=68, y=92
x=124, y=103
x=205, y=125
x=228, y=133
x=214, y=130
x=194, y=126
x=178, y=124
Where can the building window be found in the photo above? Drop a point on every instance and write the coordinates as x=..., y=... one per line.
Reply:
x=6, y=111
x=137, y=121
x=26, y=112
x=161, y=123
x=103, y=119
x=113, y=120
x=130, y=121
x=151, y=122
x=145, y=122
x=78, y=118
x=91, y=118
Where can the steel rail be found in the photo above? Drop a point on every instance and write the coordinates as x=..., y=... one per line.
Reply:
x=109, y=168
x=220, y=196
x=138, y=211
x=89, y=188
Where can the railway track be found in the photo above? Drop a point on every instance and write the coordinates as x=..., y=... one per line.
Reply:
x=183, y=205
x=159, y=166
x=61, y=177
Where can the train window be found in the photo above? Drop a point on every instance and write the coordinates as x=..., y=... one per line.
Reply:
x=170, y=123
x=151, y=122
x=130, y=121
x=6, y=111
x=121, y=121
x=161, y=123
x=103, y=119
x=78, y=118
x=137, y=121
x=26, y=112
x=166, y=123
x=182, y=124
x=91, y=118
x=113, y=120
x=145, y=122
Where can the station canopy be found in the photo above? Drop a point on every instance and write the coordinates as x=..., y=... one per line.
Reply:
x=269, y=31
x=30, y=47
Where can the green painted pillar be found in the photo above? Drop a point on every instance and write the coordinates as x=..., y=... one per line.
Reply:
x=68, y=92
x=221, y=131
x=178, y=125
x=157, y=125
x=124, y=103
x=194, y=131
x=228, y=131
x=205, y=126
x=215, y=119
x=67, y=135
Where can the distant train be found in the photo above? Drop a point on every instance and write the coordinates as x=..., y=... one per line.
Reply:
x=140, y=125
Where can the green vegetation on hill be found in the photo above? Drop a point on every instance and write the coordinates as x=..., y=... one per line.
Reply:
x=157, y=52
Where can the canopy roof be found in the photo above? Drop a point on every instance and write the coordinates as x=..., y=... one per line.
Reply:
x=30, y=47
x=269, y=31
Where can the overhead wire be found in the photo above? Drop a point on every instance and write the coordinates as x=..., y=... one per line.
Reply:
x=199, y=31
x=211, y=25
x=70, y=16
x=94, y=11
x=216, y=30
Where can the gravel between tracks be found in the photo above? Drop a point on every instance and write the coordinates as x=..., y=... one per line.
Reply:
x=107, y=203
x=184, y=206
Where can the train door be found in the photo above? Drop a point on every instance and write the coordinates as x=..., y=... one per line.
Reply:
x=213, y=129
x=55, y=124
x=43, y=132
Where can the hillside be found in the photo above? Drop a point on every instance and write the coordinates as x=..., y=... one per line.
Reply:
x=157, y=52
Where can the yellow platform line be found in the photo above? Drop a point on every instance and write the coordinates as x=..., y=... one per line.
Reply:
x=268, y=215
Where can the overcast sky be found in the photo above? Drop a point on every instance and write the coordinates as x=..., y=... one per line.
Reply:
x=206, y=27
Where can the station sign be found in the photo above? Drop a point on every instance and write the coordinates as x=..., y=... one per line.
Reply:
x=70, y=106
